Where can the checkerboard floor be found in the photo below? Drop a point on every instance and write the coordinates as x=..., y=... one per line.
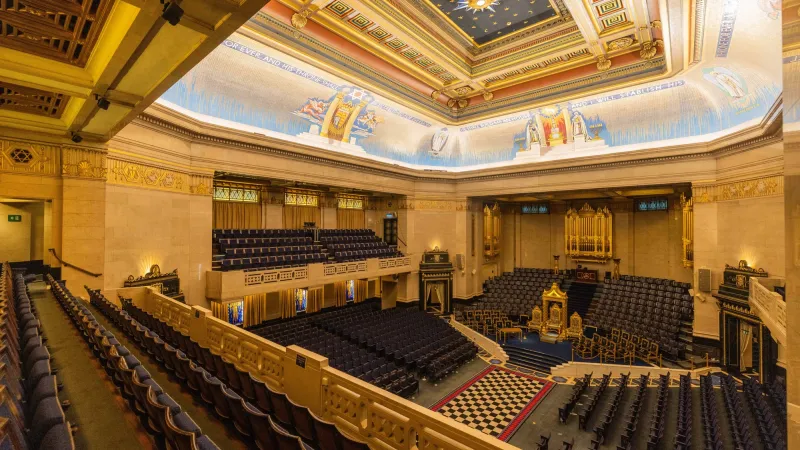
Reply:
x=495, y=402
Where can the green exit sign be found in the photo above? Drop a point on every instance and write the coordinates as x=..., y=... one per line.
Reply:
x=14, y=218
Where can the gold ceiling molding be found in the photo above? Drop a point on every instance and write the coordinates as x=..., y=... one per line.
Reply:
x=83, y=163
x=30, y=158
x=33, y=101
x=201, y=184
x=767, y=186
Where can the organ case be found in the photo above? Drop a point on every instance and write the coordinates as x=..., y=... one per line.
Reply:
x=588, y=234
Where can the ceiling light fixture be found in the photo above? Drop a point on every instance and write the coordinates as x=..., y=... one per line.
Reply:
x=477, y=5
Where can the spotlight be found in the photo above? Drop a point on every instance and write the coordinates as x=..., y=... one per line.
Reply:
x=76, y=138
x=103, y=103
x=172, y=12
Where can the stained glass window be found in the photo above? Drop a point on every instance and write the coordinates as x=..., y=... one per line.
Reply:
x=235, y=194
x=300, y=300
x=652, y=204
x=301, y=199
x=351, y=290
x=536, y=208
x=235, y=312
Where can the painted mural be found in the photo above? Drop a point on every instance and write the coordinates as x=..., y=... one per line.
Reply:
x=248, y=85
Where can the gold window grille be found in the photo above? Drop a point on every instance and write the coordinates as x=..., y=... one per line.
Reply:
x=237, y=193
x=299, y=198
x=588, y=234
x=348, y=202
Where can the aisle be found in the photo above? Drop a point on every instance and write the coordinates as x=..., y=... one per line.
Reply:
x=225, y=437
x=103, y=417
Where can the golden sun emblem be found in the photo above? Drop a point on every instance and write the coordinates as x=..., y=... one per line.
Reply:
x=477, y=5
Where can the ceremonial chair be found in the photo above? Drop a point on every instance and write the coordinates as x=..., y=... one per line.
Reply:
x=554, y=321
x=575, y=330
x=585, y=347
x=608, y=352
x=535, y=323
x=629, y=354
x=652, y=353
x=643, y=348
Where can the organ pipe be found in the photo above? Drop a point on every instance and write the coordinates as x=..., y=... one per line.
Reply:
x=588, y=234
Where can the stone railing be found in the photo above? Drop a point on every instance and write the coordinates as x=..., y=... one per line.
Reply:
x=359, y=409
x=489, y=346
x=346, y=267
x=275, y=275
x=770, y=307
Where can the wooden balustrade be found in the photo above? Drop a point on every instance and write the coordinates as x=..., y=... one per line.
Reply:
x=770, y=307
x=359, y=409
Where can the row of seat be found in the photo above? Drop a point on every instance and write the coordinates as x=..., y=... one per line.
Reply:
x=356, y=255
x=737, y=416
x=769, y=427
x=265, y=417
x=240, y=243
x=272, y=262
x=259, y=233
x=659, y=418
x=683, y=430
x=591, y=404
x=610, y=412
x=249, y=252
x=31, y=412
x=709, y=418
x=346, y=232
x=577, y=390
x=632, y=417
x=159, y=412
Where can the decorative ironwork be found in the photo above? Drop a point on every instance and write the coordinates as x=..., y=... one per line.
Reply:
x=688, y=231
x=537, y=208
x=588, y=234
x=491, y=230
x=21, y=155
x=296, y=198
x=166, y=283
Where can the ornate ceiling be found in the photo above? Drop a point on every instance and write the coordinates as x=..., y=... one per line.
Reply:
x=481, y=58
x=58, y=57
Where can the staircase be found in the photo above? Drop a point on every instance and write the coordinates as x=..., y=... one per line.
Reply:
x=580, y=296
x=532, y=359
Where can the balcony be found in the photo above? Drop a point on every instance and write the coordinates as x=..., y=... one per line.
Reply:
x=769, y=306
x=221, y=286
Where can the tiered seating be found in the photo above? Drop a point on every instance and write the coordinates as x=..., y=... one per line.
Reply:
x=516, y=293
x=159, y=412
x=264, y=249
x=769, y=427
x=343, y=355
x=408, y=337
x=264, y=417
x=708, y=415
x=583, y=417
x=683, y=432
x=740, y=428
x=644, y=306
x=31, y=413
x=355, y=244
x=611, y=411
x=577, y=391
x=777, y=396
x=659, y=416
x=632, y=418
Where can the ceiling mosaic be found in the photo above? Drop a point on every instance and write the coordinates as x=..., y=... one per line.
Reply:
x=486, y=20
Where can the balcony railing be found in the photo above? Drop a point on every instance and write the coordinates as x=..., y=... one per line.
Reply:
x=770, y=307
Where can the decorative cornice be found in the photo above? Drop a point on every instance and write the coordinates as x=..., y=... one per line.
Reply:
x=434, y=205
x=19, y=156
x=767, y=186
x=699, y=31
x=140, y=174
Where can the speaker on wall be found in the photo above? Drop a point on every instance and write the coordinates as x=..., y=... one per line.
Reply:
x=460, y=261
x=704, y=280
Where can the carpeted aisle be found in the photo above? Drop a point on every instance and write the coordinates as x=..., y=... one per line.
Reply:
x=103, y=417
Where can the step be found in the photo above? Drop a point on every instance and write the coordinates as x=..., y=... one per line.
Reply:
x=532, y=359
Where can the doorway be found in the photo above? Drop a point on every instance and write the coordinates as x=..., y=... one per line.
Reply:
x=24, y=229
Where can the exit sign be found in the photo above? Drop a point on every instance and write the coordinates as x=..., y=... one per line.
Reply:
x=14, y=218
